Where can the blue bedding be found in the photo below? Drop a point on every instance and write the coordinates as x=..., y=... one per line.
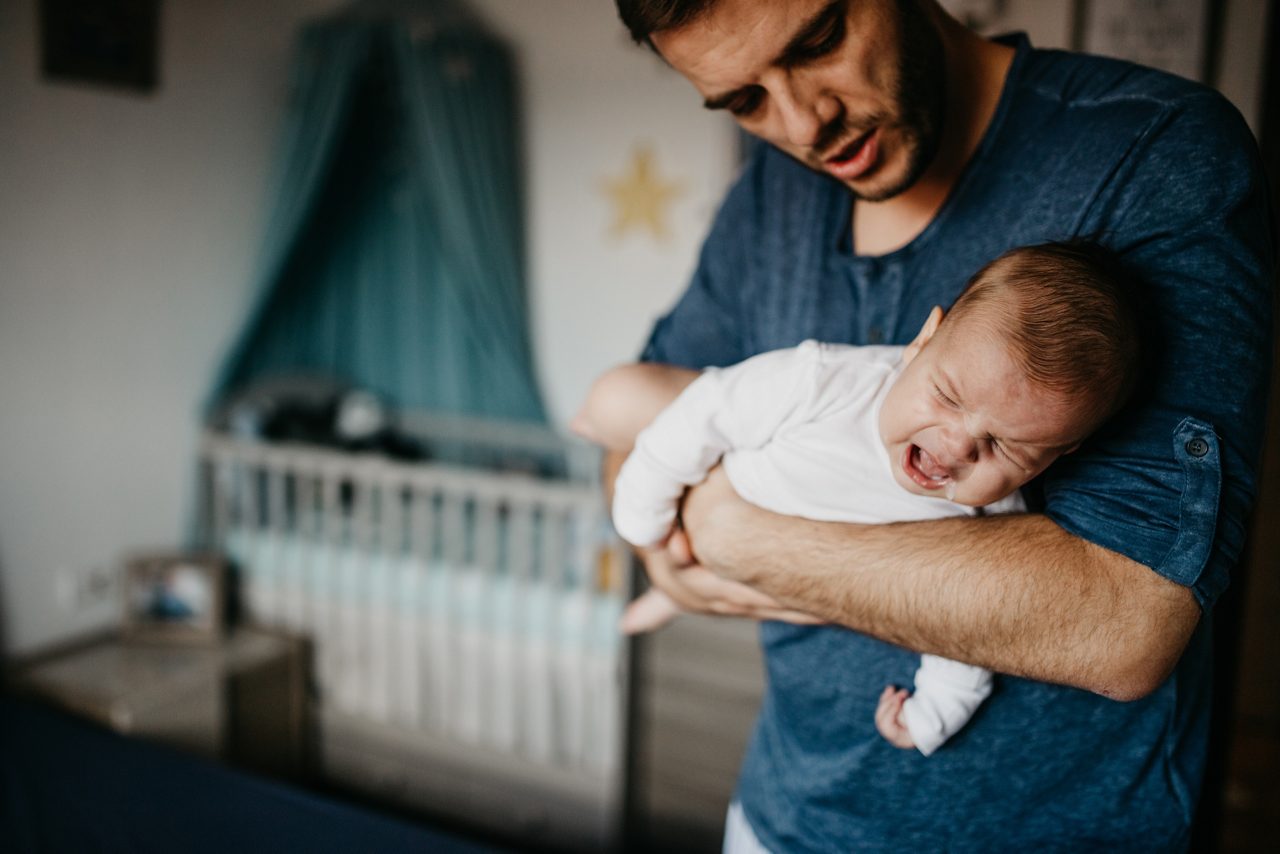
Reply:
x=66, y=785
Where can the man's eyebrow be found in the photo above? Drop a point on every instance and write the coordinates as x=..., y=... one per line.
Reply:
x=790, y=55
x=720, y=102
x=812, y=29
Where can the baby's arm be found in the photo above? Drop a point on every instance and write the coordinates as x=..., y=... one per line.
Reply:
x=738, y=408
x=625, y=400
x=725, y=412
x=621, y=403
x=947, y=694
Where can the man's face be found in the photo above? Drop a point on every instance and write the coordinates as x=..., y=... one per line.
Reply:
x=852, y=88
x=963, y=422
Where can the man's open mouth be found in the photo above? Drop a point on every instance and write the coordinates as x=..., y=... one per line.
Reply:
x=855, y=158
x=923, y=469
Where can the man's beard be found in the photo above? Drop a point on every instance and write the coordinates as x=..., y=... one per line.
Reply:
x=919, y=98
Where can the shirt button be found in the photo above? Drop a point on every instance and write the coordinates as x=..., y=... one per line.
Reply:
x=1197, y=447
x=874, y=335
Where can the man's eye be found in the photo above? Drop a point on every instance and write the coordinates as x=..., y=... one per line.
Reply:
x=823, y=42
x=747, y=102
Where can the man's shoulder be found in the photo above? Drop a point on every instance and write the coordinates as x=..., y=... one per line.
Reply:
x=1099, y=85
x=1117, y=126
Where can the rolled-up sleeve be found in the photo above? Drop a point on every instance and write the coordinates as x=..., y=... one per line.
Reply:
x=1171, y=482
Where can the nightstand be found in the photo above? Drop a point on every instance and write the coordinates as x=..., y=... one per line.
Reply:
x=240, y=699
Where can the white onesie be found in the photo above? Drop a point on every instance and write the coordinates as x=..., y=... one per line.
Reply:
x=798, y=432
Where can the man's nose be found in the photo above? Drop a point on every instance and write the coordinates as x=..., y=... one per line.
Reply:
x=801, y=115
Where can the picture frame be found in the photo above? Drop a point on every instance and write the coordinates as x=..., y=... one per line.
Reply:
x=174, y=597
x=1171, y=35
x=113, y=43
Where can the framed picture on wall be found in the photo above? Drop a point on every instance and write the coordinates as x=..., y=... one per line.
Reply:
x=104, y=42
x=174, y=597
x=1172, y=35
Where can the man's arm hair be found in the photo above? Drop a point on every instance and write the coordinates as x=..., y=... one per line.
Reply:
x=1015, y=594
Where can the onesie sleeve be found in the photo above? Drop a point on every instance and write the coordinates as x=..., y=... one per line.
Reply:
x=1171, y=481
x=725, y=409
x=946, y=696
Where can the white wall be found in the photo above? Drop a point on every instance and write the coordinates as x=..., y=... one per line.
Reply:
x=129, y=226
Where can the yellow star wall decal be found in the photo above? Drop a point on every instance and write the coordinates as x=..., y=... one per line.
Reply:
x=640, y=197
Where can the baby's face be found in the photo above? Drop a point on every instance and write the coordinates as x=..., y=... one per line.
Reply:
x=963, y=422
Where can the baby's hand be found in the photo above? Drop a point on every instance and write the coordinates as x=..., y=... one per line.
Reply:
x=889, y=717
x=651, y=611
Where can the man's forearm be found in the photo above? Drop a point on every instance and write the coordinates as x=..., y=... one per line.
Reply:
x=1015, y=594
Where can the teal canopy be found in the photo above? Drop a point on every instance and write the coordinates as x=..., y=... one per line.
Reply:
x=393, y=254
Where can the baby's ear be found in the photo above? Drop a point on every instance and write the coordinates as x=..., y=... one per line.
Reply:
x=922, y=337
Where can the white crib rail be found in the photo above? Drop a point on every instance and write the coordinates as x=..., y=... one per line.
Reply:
x=468, y=607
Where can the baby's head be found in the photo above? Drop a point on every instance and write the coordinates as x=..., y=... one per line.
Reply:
x=1039, y=350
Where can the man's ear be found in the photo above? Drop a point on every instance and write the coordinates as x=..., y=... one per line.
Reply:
x=926, y=332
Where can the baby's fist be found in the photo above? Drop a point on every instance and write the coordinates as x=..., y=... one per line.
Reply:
x=889, y=717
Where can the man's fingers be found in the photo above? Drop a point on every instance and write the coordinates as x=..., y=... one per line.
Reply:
x=734, y=594
x=786, y=615
x=651, y=611
x=669, y=579
x=679, y=549
x=698, y=590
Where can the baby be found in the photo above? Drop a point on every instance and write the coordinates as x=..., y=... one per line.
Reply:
x=1038, y=351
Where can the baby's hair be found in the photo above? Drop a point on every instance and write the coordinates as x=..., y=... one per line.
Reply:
x=1066, y=310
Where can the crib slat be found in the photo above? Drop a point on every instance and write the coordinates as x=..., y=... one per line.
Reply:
x=490, y=624
x=221, y=484
x=309, y=533
x=274, y=569
x=328, y=579
x=387, y=653
x=456, y=676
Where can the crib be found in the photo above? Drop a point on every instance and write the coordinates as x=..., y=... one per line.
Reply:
x=462, y=613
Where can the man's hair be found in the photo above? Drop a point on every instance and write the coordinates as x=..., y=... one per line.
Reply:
x=643, y=18
x=1067, y=312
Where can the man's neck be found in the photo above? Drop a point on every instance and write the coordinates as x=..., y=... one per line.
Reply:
x=976, y=72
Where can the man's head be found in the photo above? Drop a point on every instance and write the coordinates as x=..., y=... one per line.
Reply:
x=852, y=88
x=1040, y=349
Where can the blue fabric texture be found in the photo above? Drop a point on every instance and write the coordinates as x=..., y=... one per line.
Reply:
x=66, y=785
x=1165, y=173
x=393, y=258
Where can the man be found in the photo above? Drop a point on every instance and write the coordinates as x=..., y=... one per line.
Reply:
x=904, y=152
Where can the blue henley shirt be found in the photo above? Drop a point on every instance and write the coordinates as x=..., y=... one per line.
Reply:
x=1166, y=174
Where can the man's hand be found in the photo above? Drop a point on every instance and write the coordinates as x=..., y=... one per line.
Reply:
x=674, y=570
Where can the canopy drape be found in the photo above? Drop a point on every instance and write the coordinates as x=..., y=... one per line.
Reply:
x=393, y=256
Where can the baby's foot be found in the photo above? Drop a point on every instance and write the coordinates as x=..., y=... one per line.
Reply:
x=889, y=717
x=653, y=610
